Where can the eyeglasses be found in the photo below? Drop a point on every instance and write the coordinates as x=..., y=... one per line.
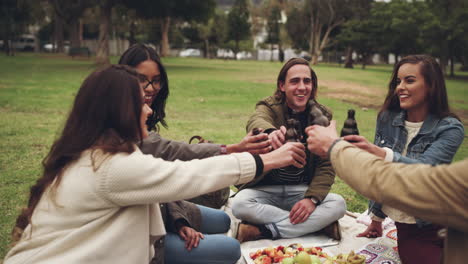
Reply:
x=154, y=83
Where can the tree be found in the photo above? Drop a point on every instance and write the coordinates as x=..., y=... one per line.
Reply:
x=218, y=31
x=14, y=17
x=444, y=33
x=124, y=23
x=361, y=37
x=210, y=35
x=105, y=18
x=360, y=11
x=273, y=25
x=238, y=24
x=460, y=41
x=297, y=28
x=70, y=12
x=401, y=24
x=324, y=16
x=166, y=11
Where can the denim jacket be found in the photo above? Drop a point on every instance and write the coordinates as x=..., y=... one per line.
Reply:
x=436, y=142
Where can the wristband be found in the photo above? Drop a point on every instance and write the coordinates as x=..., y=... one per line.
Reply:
x=332, y=145
x=223, y=150
x=258, y=164
x=314, y=200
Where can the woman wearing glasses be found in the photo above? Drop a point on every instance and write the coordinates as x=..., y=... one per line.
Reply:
x=195, y=232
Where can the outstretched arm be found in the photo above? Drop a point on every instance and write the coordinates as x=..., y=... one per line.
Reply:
x=437, y=194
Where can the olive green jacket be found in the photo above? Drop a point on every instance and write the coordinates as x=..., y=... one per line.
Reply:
x=271, y=114
x=438, y=194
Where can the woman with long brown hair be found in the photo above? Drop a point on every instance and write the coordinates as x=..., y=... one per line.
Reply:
x=415, y=125
x=98, y=198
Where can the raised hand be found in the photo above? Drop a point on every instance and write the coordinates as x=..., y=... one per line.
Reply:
x=301, y=211
x=277, y=137
x=319, y=138
x=291, y=153
x=190, y=236
x=255, y=144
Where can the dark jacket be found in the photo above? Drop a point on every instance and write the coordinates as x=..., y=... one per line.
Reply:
x=270, y=114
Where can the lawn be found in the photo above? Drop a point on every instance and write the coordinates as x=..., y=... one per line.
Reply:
x=211, y=98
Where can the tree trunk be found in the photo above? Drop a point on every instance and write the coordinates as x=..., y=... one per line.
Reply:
x=316, y=51
x=452, y=72
x=280, y=53
x=443, y=64
x=396, y=57
x=349, y=58
x=8, y=48
x=206, y=48
x=236, y=49
x=58, y=43
x=131, y=38
x=271, y=52
x=102, y=52
x=165, y=24
x=313, y=29
x=75, y=33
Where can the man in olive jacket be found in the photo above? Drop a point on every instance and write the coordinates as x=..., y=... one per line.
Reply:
x=289, y=202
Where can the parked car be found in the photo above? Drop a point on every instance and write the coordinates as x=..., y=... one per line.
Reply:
x=25, y=43
x=190, y=53
x=50, y=48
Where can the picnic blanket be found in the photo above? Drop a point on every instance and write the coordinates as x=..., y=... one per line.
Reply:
x=380, y=250
x=383, y=250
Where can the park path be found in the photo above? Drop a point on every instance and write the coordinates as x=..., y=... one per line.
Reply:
x=363, y=96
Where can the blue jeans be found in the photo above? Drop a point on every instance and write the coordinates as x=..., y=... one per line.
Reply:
x=213, y=249
x=270, y=205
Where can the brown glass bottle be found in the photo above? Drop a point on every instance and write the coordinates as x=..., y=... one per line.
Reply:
x=350, y=125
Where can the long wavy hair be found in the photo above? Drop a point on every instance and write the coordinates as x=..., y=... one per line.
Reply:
x=105, y=116
x=280, y=95
x=434, y=80
x=137, y=54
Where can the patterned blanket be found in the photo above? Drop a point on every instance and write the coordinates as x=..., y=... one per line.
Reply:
x=383, y=250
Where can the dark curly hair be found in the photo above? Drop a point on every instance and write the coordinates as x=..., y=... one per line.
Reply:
x=137, y=54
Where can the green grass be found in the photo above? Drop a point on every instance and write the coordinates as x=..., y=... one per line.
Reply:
x=212, y=98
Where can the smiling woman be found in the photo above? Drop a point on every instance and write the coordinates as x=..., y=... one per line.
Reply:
x=150, y=79
x=153, y=78
x=415, y=125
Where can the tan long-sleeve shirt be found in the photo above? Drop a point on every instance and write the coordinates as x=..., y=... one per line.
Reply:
x=437, y=194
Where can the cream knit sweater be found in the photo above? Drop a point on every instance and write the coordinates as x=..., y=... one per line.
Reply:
x=109, y=212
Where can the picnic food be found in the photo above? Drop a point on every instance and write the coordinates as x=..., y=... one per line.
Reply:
x=355, y=258
x=315, y=259
x=302, y=258
x=288, y=254
x=297, y=254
